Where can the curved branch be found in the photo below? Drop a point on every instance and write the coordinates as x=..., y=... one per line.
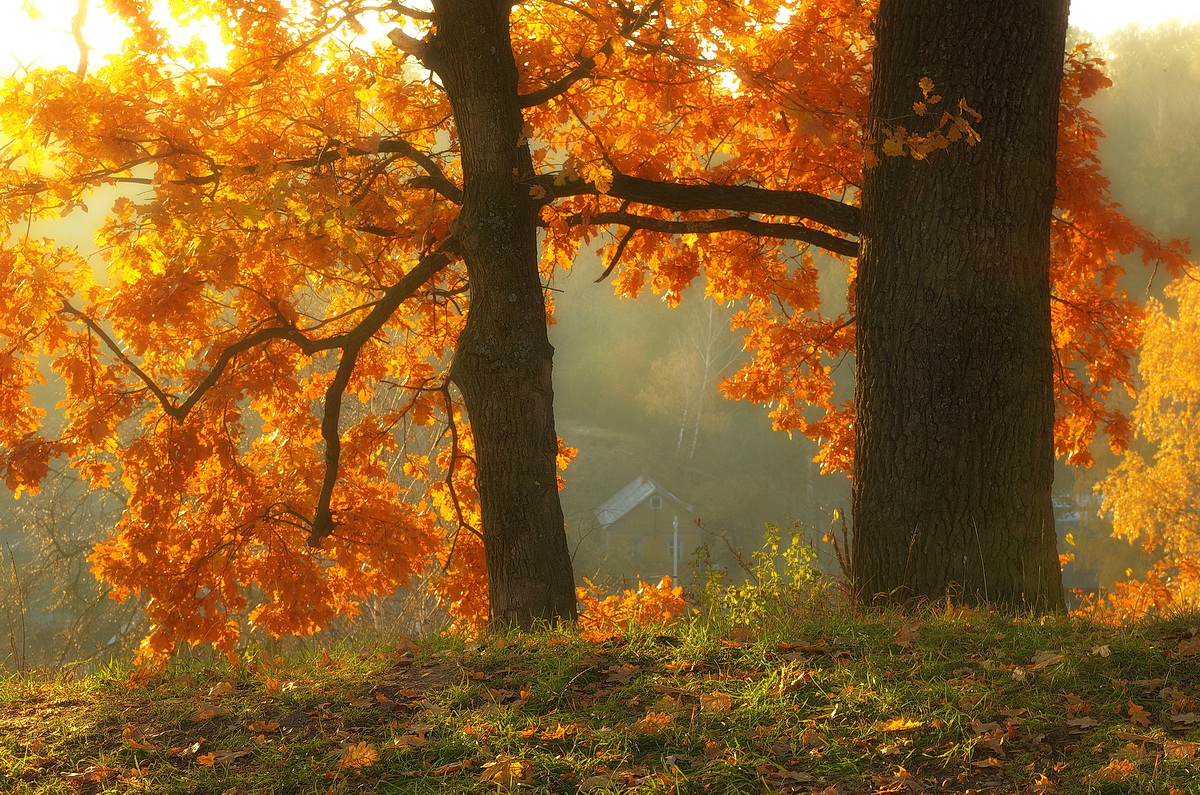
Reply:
x=700, y=196
x=804, y=234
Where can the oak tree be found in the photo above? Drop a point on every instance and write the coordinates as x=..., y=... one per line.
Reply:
x=325, y=217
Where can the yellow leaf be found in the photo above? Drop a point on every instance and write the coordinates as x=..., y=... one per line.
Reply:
x=653, y=722
x=1070, y=538
x=901, y=725
x=893, y=148
x=361, y=754
x=504, y=771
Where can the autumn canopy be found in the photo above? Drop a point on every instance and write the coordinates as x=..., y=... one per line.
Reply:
x=316, y=270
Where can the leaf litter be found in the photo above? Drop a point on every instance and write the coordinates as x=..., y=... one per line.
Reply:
x=850, y=703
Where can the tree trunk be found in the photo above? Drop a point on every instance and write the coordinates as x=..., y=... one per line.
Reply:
x=955, y=455
x=503, y=360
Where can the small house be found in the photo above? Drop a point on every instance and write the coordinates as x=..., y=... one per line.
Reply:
x=647, y=531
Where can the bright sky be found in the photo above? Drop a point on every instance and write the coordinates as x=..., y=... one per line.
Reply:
x=1102, y=17
x=43, y=36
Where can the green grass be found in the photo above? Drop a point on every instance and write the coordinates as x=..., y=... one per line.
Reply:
x=825, y=701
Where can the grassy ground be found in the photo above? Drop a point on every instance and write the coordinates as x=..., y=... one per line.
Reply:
x=819, y=701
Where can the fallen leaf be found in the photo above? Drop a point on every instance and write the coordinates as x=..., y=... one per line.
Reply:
x=900, y=725
x=185, y=751
x=260, y=726
x=138, y=737
x=504, y=771
x=1179, y=749
x=1079, y=724
x=92, y=774
x=556, y=732
x=984, y=728
x=715, y=702
x=621, y=674
x=209, y=711
x=360, y=754
x=653, y=722
x=1138, y=715
x=1189, y=647
x=221, y=689
x=908, y=634
x=1116, y=770
x=741, y=634
x=812, y=738
x=407, y=741
x=668, y=704
x=1101, y=651
x=598, y=782
x=220, y=756
x=1042, y=785
x=900, y=781
x=1044, y=659
x=1186, y=718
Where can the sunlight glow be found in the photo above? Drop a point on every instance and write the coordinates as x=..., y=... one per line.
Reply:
x=37, y=33
x=1102, y=17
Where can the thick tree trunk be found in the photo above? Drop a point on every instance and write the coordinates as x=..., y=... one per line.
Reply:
x=955, y=455
x=503, y=360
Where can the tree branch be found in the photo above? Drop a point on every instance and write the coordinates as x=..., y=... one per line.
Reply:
x=804, y=234
x=700, y=196
x=580, y=71
x=634, y=21
x=350, y=343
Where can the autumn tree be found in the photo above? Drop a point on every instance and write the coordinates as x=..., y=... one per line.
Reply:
x=1155, y=497
x=325, y=218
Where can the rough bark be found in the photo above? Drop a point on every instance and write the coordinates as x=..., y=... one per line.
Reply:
x=954, y=458
x=503, y=360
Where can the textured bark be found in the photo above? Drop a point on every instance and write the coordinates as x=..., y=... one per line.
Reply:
x=503, y=359
x=955, y=456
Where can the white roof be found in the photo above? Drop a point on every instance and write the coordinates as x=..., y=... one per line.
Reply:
x=631, y=496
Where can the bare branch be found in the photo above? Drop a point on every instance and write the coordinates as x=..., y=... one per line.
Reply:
x=406, y=43
x=703, y=196
x=77, y=23
x=411, y=13
x=804, y=234
x=616, y=257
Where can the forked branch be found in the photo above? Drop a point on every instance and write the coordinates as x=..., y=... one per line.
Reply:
x=350, y=343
